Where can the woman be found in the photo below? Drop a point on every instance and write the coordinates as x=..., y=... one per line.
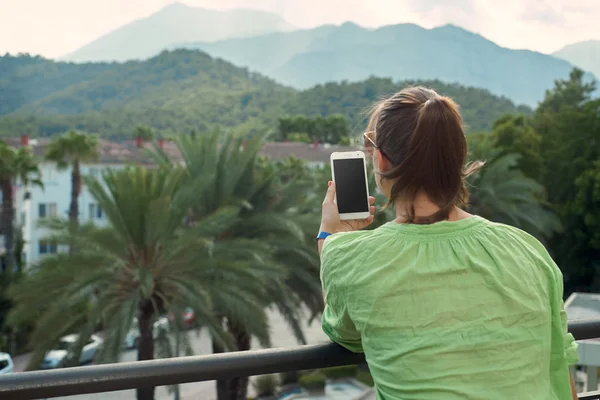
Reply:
x=444, y=304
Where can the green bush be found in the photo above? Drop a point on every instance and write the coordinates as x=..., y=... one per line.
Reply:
x=312, y=382
x=365, y=378
x=265, y=385
x=345, y=371
x=287, y=378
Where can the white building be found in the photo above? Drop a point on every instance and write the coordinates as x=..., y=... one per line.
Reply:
x=33, y=204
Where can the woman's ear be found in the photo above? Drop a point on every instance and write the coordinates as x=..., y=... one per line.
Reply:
x=382, y=163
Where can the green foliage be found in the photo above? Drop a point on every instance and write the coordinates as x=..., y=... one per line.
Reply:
x=502, y=193
x=569, y=124
x=482, y=147
x=183, y=90
x=25, y=79
x=143, y=132
x=332, y=129
x=287, y=378
x=479, y=107
x=365, y=378
x=143, y=257
x=345, y=371
x=19, y=164
x=586, y=204
x=312, y=382
x=72, y=146
x=515, y=134
x=265, y=385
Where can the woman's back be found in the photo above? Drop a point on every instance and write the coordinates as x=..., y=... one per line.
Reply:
x=452, y=310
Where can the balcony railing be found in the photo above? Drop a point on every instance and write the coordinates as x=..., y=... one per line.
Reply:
x=131, y=375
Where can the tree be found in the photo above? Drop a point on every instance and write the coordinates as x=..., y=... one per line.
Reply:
x=332, y=129
x=70, y=150
x=276, y=211
x=15, y=165
x=501, y=193
x=141, y=265
x=569, y=125
x=515, y=134
x=584, y=217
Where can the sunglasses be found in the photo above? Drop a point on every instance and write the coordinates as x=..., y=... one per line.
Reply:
x=366, y=135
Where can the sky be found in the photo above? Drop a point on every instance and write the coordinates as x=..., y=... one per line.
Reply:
x=53, y=28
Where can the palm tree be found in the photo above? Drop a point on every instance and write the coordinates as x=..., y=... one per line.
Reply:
x=72, y=149
x=143, y=264
x=502, y=193
x=15, y=164
x=274, y=212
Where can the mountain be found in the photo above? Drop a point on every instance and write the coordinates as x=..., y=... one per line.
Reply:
x=585, y=55
x=25, y=79
x=181, y=90
x=403, y=52
x=144, y=38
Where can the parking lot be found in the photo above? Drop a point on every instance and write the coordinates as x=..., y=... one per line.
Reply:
x=281, y=336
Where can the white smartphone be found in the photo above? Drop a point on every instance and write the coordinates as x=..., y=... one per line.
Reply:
x=349, y=171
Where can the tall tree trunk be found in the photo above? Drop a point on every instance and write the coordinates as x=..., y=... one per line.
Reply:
x=7, y=228
x=235, y=388
x=146, y=344
x=75, y=191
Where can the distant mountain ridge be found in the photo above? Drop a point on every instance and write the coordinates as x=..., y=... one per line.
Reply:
x=585, y=55
x=146, y=37
x=403, y=52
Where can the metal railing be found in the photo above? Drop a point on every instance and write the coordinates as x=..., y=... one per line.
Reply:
x=131, y=375
x=589, y=396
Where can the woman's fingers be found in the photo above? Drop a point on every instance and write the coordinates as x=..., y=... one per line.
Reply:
x=371, y=200
x=372, y=210
x=330, y=195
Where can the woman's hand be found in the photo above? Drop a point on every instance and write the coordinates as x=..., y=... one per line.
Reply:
x=330, y=216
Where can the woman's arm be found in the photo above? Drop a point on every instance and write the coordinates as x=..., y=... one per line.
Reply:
x=573, y=389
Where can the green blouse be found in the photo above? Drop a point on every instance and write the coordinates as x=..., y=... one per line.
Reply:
x=453, y=310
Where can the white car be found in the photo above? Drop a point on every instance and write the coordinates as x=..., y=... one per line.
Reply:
x=133, y=336
x=57, y=357
x=6, y=363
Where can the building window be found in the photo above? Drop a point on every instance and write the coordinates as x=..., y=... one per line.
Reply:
x=46, y=210
x=94, y=211
x=49, y=174
x=47, y=247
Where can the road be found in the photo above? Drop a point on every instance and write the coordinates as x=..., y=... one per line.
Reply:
x=281, y=336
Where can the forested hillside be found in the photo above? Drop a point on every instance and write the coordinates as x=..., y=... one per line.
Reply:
x=183, y=90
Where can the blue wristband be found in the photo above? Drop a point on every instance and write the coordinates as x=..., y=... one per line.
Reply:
x=323, y=235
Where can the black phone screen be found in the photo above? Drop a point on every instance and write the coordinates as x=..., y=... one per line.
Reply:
x=350, y=185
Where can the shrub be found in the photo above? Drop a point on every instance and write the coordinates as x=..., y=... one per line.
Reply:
x=312, y=382
x=287, y=378
x=345, y=371
x=265, y=385
x=365, y=378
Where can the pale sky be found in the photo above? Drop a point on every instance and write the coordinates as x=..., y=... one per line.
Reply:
x=54, y=28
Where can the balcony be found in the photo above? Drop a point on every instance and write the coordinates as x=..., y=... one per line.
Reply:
x=113, y=377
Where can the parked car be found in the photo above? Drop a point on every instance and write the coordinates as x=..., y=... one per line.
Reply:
x=58, y=357
x=189, y=317
x=6, y=363
x=133, y=336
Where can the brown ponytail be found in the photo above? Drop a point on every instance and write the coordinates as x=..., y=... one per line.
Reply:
x=422, y=134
